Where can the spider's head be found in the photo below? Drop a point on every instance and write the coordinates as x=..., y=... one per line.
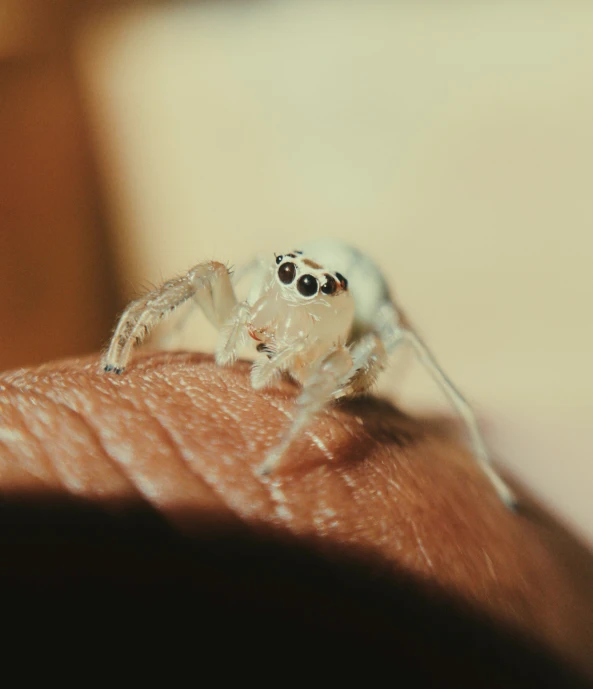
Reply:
x=318, y=293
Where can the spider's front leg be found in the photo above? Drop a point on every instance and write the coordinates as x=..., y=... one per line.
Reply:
x=231, y=339
x=233, y=335
x=208, y=283
x=325, y=382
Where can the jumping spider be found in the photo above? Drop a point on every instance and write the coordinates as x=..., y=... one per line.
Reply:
x=323, y=314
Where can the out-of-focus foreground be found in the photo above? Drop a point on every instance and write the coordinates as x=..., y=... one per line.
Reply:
x=451, y=141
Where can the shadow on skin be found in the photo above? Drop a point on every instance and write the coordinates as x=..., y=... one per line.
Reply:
x=340, y=611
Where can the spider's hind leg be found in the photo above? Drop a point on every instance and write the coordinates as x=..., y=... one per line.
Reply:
x=369, y=358
x=394, y=332
x=465, y=411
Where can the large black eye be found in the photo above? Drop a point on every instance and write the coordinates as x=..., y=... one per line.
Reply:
x=286, y=272
x=329, y=286
x=279, y=260
x=307, y=285
x=342, y=280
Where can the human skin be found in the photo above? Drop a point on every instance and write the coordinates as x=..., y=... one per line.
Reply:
x=397, y=495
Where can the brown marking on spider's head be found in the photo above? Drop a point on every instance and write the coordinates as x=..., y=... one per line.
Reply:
x=311, y=264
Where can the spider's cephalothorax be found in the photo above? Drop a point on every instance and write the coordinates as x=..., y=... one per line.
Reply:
x=323, y=314
x=303, y=308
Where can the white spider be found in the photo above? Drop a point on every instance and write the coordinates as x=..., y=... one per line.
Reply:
x=323, y=314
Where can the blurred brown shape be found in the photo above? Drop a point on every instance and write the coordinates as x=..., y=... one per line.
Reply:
x=57, y=295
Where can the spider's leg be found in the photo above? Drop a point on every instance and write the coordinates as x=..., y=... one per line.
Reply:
x=333, y=371
x=208, y=283
x=233, y=335
x=369, y=358
x=236, y=276
x=258, y=263
x=167, y=338
x=265, y=369
x=393, y=334
x=229, y=345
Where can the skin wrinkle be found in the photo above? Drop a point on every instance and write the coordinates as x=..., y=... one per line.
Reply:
x=176, y=445
x=177, y=448
x=208, y=478
x=50, y=476
x=161, y=499
x=14, y=465
x=355, y=494
x=133, y=471
x=119, y=467
x=129, y=485
x=73, y=479
x=442, y=496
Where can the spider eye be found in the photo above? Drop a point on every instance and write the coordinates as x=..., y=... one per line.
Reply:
x=329, y=286
x=342, y=280
x=307, y=285
x=279, y=260
x=286, y=272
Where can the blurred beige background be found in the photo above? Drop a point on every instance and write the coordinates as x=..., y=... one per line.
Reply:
x=452, y=141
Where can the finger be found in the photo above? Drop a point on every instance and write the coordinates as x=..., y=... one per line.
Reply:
x=184, y=437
